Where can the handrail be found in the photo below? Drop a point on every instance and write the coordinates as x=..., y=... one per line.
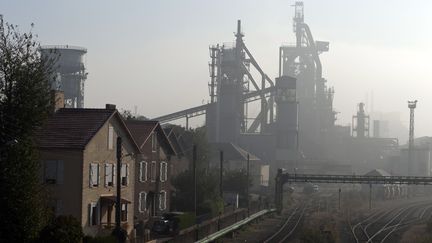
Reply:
x=235, y=226
x=78, y=48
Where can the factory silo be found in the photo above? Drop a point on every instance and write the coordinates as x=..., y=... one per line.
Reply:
x=70, y=72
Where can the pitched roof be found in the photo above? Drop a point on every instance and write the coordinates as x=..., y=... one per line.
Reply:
x=141, y=131
x=72, y=128
x=378, y=172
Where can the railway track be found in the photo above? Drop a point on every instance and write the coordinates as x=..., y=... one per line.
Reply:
x=381, y=225
x=290, y=225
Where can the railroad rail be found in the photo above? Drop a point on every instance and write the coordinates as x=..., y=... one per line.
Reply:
x=290, y=225
x=382, y=224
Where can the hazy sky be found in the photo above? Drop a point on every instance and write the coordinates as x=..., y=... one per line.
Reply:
x=154, y=54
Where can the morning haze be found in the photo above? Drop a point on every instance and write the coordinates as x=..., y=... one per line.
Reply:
x=216, y=121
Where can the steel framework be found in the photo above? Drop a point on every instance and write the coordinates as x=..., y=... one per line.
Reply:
x=282, y=178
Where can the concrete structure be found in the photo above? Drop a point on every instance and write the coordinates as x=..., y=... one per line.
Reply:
x=78, y=154
x=69, y=72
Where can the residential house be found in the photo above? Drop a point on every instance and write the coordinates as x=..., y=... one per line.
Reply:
x=78, y=153
x=152, y=186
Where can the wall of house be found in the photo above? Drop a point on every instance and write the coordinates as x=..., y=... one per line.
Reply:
x=97, y=151
x=65, y=195
x=152, y=186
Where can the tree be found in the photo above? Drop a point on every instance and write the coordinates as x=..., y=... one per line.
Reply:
x=24, y=105
x=63, y=229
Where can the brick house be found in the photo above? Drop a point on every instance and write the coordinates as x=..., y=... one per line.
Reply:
x=152, y=184
x=78, y=155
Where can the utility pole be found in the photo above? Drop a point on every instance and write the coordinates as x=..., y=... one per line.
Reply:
x=118, y=232
x=411, y=105
x=221, y=174
x=194, y=158
x=370, y=196
x=247, y=187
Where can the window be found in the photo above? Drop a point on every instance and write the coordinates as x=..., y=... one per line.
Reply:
x=154, y=142
x=162, y=200
x=163, y=171
x=94, y=175
x=142, y=202
x=53, y=172
x=143, y=171
x=123, y=213
x=109, y=174
x=124, y=174
x=110, y=137
x=153, y=171
x=93, y=214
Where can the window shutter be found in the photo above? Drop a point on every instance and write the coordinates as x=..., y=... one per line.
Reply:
x=145, y=172
x=161, y=172
x=60, y=172
x=141, y=165
x=90, y=175
x=166, y=171
x=140, y=202
x=106, y=173
x=127, y=174
x=114, y=174
x=98, y=174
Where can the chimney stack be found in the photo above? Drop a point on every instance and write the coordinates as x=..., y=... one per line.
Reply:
x=57, y=99
x=110, y=106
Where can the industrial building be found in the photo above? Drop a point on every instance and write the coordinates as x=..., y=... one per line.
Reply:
x=69, y=72
x=295, y=127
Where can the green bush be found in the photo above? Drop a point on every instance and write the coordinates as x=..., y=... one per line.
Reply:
x=63, y=229
x=100, y=239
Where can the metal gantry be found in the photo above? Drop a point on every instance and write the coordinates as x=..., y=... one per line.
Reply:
x=282, y=178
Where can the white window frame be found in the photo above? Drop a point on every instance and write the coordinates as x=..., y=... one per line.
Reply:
x=154, y=142
x=107, y=165
x=110, y=137
x=162, y=203
x=124, y=173
x=142, y=202
x=163, y=171
x=153, y=171
x=91, y=184
x=143, y=171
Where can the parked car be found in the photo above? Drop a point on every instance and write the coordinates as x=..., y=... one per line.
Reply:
x=168, y=224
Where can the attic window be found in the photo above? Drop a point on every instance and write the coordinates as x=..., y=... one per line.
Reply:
x=110, y=137
x=154, y=142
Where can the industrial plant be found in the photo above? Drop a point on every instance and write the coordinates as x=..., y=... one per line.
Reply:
x=271, y=161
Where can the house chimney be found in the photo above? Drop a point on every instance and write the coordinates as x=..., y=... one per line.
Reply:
x=57, y=99
x=110, y=106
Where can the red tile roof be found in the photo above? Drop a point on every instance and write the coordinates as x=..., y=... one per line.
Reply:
x=72, y=128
